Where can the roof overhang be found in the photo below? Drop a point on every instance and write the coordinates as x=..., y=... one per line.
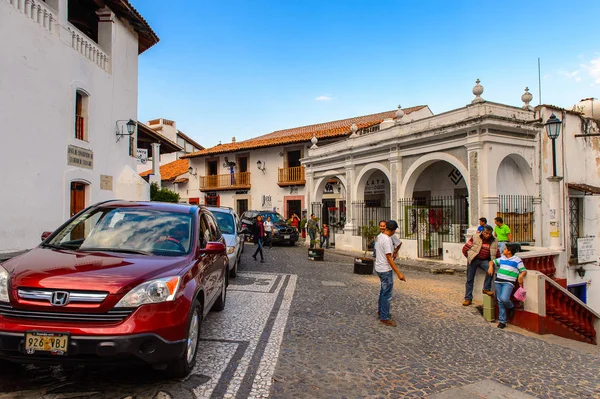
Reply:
x=123, y=8
x=586, y=189
x=147, y=136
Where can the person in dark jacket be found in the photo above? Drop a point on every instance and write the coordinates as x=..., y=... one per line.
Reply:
x=258, y=233
x=479, y=251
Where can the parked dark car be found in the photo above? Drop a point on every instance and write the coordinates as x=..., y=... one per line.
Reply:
x=120, y=282
x=282, y=232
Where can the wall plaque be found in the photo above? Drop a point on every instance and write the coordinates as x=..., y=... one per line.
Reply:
x=106, y=182
x=586, y=250
x=81, y=157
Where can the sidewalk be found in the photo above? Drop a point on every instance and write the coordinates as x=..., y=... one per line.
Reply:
x=436, y=267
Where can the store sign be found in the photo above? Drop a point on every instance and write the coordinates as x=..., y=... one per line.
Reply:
x=142, y=155
x=586, y=250
x=376, y=186
x=81, y=157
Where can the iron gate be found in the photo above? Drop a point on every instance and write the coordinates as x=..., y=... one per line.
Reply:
x=516, y=212
x=433, y=221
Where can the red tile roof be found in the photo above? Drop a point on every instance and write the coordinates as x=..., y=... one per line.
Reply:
x=171, y=170
x=325, y=130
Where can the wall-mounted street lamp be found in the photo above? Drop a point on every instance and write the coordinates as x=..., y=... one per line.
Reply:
x=553, y=125
x=192, y=172
x=261, y=165
x=131, y=125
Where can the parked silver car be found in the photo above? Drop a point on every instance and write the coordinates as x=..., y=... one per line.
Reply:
x=228, y=222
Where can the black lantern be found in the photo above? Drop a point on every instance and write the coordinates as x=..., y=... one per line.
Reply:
x=553, y=125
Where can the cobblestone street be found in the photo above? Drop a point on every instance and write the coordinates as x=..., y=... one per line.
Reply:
x=294, y=328
x=334, y=346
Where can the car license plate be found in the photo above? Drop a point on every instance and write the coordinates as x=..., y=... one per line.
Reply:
x=286, y=237
x=53, y=343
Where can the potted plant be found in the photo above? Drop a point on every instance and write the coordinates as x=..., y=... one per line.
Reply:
x=364, y=264
x=315, y=253
x=303, y=227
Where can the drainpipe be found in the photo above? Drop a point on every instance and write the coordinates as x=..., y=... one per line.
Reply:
x=565, y=175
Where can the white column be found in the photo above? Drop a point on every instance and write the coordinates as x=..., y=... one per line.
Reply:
x=155, y=176
x=537, y=221
x=474, y=154
x=395, y=166
x=349, y=167
x=555, y=213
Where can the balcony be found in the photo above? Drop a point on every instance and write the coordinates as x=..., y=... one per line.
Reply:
x=229, y=181
x=293, y=176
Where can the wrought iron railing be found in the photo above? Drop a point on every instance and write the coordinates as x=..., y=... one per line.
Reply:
x=363, y=212
x=447, y=217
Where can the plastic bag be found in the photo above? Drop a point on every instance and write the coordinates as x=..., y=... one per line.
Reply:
x=520, y=294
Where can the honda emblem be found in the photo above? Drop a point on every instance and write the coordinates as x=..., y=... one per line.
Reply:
x=59, y=298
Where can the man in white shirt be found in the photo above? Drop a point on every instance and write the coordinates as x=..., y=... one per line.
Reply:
x=268, y=224
x=384, y=266
x=395, y=240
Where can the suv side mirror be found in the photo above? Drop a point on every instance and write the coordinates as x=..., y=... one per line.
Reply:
x=46, y=234
x=213, y=248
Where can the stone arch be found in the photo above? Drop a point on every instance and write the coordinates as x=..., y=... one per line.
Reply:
x=415, y=170
x=361, y=180
x=514, y=175
x=317, y=194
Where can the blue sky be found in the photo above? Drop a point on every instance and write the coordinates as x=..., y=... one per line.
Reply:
x=228, y=68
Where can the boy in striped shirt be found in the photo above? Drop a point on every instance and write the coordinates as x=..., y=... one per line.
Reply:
x=510, y=269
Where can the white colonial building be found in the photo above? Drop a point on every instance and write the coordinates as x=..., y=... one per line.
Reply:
x=266, y=173
x=68, y=107
x=438, y=175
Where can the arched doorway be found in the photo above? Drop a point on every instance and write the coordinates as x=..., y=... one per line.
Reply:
x=373, y=197
x=435, y=209
x=514, y=185
x=330, y=204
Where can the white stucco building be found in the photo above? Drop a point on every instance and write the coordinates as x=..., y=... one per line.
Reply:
x=70, y=87
x=266, y=172
x=438, y=175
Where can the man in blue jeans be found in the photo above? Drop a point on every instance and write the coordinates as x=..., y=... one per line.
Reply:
x=479, y=251
x=384, y=265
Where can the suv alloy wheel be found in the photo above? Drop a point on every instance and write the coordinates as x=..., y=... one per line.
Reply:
x=183, y=366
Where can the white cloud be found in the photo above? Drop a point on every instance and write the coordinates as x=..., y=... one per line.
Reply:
x=593, y=69
x=323, y=98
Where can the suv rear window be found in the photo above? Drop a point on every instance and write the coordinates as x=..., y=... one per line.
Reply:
x=225, y=222
x=275, y=217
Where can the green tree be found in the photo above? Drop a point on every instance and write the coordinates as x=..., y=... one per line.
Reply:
x=162, y=194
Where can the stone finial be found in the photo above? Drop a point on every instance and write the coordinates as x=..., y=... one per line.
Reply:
x=478, y=91
x=353, y=129
x=314, y=142
x=399, y=113
x=526, y=98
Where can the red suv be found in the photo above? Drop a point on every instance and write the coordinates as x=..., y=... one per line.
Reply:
x=118, y=282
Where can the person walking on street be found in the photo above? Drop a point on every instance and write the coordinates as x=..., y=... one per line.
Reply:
x=313, y=228
x=269, y=232
x=259, y=233
x=295, y=221
x=510, y=269
x=479, y=251
x=325, y=236
x=384, y=266
x=502, y=233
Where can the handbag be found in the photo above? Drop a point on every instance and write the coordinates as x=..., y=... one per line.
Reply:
x=520, y=294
